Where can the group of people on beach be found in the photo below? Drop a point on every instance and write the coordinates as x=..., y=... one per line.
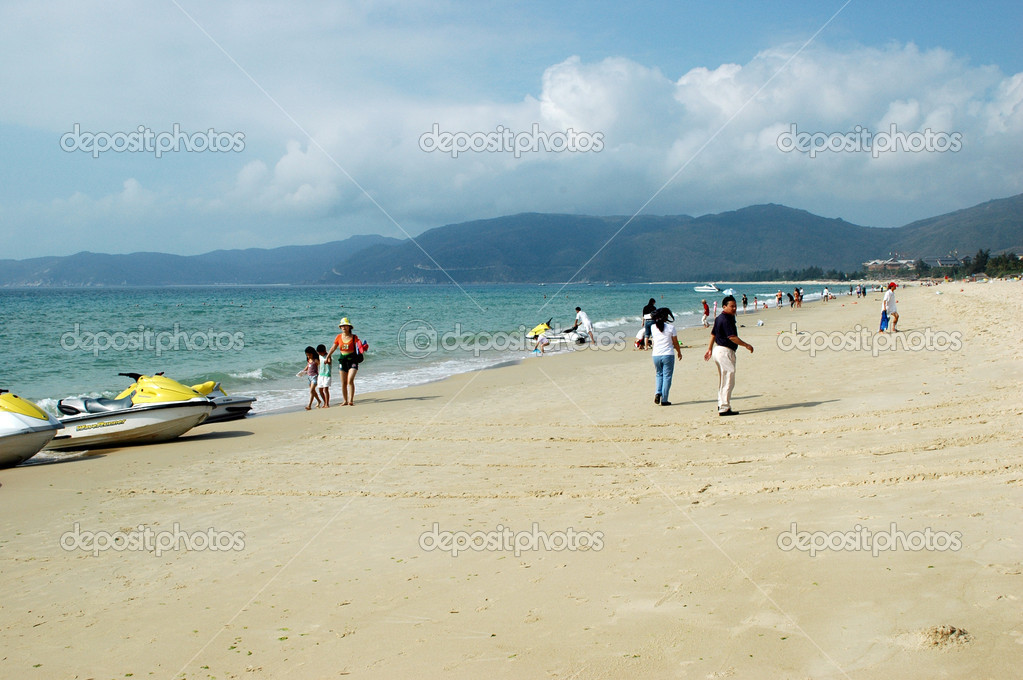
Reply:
x=724, y=340
x=318, y=367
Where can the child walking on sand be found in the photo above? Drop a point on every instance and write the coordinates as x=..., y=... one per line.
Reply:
x=323, y=376
x=312, y=368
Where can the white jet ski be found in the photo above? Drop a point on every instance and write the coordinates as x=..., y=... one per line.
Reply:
x=24, y=429
x=225, y=407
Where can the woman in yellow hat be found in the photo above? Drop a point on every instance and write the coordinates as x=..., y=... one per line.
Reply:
x=347, y=344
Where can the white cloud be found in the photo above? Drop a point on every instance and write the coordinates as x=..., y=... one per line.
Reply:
x=720, y=122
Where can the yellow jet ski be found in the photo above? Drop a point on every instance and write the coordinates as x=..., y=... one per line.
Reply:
x=24, y=429
x=541, y=328
x=153, y=409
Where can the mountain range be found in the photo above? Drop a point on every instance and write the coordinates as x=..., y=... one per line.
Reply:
x=535, y=247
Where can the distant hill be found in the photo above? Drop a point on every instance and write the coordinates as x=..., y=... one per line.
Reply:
x=541, y=247
x=289, y=264
x=996, y=226
x=534, y=247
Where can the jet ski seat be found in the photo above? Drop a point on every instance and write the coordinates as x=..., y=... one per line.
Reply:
x=76, y=405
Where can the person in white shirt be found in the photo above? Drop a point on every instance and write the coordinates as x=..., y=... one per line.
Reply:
x=888, y=305
x=665, y=349
x=581, y=319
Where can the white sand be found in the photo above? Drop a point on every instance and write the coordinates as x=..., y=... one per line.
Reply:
x=689, y=581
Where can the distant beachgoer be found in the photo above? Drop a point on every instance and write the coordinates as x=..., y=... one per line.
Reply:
x=799, y=296
x=755, y=303
x=347, y=344
x=792, y=300
x=648, y=321
x=744, y=301
x=582, y=319
x=323, y=376
x=724, y=340
x=312, y=368
x=665, y=349
x=778, y=299
x=888, y=305
x=706, y=314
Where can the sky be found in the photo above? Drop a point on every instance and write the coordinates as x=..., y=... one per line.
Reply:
x=263, y=124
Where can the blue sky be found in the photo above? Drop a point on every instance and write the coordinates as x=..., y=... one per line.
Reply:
x=687, y=99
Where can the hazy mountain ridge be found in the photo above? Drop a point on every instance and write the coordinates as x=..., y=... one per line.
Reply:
x=534, y=247
x=287, y=264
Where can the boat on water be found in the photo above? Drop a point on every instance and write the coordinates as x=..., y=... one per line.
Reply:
x=709, y=288
x=225, y=407
x=24, y=429
x=153, y=409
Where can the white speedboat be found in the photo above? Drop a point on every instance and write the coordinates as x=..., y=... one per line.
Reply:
x=709, y=288
x=153, y=409
x=225, y=407
x=24, y=429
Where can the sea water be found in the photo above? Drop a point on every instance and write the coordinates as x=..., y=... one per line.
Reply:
x=74, y=341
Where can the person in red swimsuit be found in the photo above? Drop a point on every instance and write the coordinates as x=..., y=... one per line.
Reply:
x=347, y=344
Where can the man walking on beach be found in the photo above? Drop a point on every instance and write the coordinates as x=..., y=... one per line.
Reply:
x=724, y=340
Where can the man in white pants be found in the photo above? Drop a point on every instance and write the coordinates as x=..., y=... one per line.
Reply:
x=724, y=340
x=582, y=319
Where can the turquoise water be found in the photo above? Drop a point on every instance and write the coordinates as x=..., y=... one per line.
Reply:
x=65, y=342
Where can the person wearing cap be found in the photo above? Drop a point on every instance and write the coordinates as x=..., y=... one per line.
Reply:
x=888, y=305
x=347, y=344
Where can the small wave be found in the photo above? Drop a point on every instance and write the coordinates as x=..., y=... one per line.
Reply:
x=621, y=321
x=248, y=375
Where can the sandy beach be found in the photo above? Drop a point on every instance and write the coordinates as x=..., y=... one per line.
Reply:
x=601, y=536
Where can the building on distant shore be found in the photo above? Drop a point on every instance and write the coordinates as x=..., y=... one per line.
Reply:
x=942, y=261
x=889, y=265
x=894, y=264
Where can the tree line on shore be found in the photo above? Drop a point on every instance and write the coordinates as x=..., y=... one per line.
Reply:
x=1002, y=265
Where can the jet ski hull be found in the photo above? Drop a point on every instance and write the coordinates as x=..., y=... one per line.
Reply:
x=230, y=408
x=147, y=424
x=24, y=429
x=17, y=448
